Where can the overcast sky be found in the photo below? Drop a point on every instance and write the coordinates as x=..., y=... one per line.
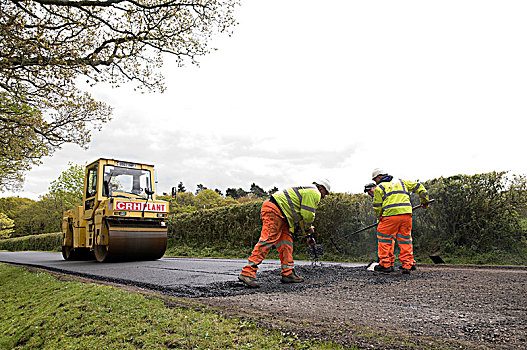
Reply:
x=305, y=89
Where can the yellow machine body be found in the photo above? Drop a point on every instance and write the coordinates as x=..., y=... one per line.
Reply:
x=120, y=218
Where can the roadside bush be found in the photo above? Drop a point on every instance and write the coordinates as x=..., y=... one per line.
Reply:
x=231, y=227
x=44, y=242
x=477, y=219
x=474, y=218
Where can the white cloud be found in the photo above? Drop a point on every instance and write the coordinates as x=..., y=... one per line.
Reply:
x=306, y=89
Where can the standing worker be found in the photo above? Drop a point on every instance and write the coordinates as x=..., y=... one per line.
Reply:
x=370, y=190
x=391, y=203
x=280, y=214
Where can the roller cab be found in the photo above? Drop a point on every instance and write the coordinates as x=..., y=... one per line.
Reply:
x=120, y=219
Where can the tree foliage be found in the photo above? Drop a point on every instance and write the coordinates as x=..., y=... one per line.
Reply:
x=236, y=193
x=66, y=191
x=207, y=199
x=13, y=208
x=273, y=190
x=7, y=226
x=257, y=191
x=181, y=187
x=47, y=45
x=45, y=215
x=187, y=202
x=42, y=216
x=200, y=188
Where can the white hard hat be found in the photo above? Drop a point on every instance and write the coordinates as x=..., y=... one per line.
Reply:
x=376, y=172
x=325, y=183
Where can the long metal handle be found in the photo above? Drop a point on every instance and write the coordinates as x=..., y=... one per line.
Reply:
x=375, y=224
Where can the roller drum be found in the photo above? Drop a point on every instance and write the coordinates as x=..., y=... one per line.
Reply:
x=132, y=245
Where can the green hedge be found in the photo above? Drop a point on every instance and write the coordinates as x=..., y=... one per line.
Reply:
x=237, y=228
x=233, y=227
x=476, y=219
x=44, y=242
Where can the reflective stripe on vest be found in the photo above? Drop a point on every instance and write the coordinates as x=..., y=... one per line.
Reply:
x=395, y=198
x=296, y=219
x=384, y=194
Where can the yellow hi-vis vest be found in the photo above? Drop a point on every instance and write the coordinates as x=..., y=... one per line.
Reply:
x=299, y=205
x=393, y=198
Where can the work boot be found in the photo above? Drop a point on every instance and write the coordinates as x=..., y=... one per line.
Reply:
x=292, y=278
x=249, y=281
x=407, y=271
x=380, y=268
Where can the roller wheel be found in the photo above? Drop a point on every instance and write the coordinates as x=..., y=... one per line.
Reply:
x=101, y=253
x=67, y=253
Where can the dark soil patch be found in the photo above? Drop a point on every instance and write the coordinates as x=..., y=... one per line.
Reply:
x=432, y=307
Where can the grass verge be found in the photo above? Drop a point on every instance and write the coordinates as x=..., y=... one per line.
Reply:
x=41, y=312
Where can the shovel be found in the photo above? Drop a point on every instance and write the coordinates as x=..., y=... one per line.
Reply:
x=375, y=224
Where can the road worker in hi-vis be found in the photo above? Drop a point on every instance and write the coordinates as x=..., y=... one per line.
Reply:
x=281, y=213
x=391, y=203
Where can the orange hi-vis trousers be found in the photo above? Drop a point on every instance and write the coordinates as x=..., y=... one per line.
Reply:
x=275, y=232
x=391, y=228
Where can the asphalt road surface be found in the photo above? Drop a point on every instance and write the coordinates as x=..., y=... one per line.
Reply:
x=165, y=273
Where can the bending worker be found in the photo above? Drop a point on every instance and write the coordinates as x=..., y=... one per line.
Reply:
x=280, y=214
x=391, y=203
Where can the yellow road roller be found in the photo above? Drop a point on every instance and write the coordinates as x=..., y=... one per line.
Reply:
x=120, y=219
